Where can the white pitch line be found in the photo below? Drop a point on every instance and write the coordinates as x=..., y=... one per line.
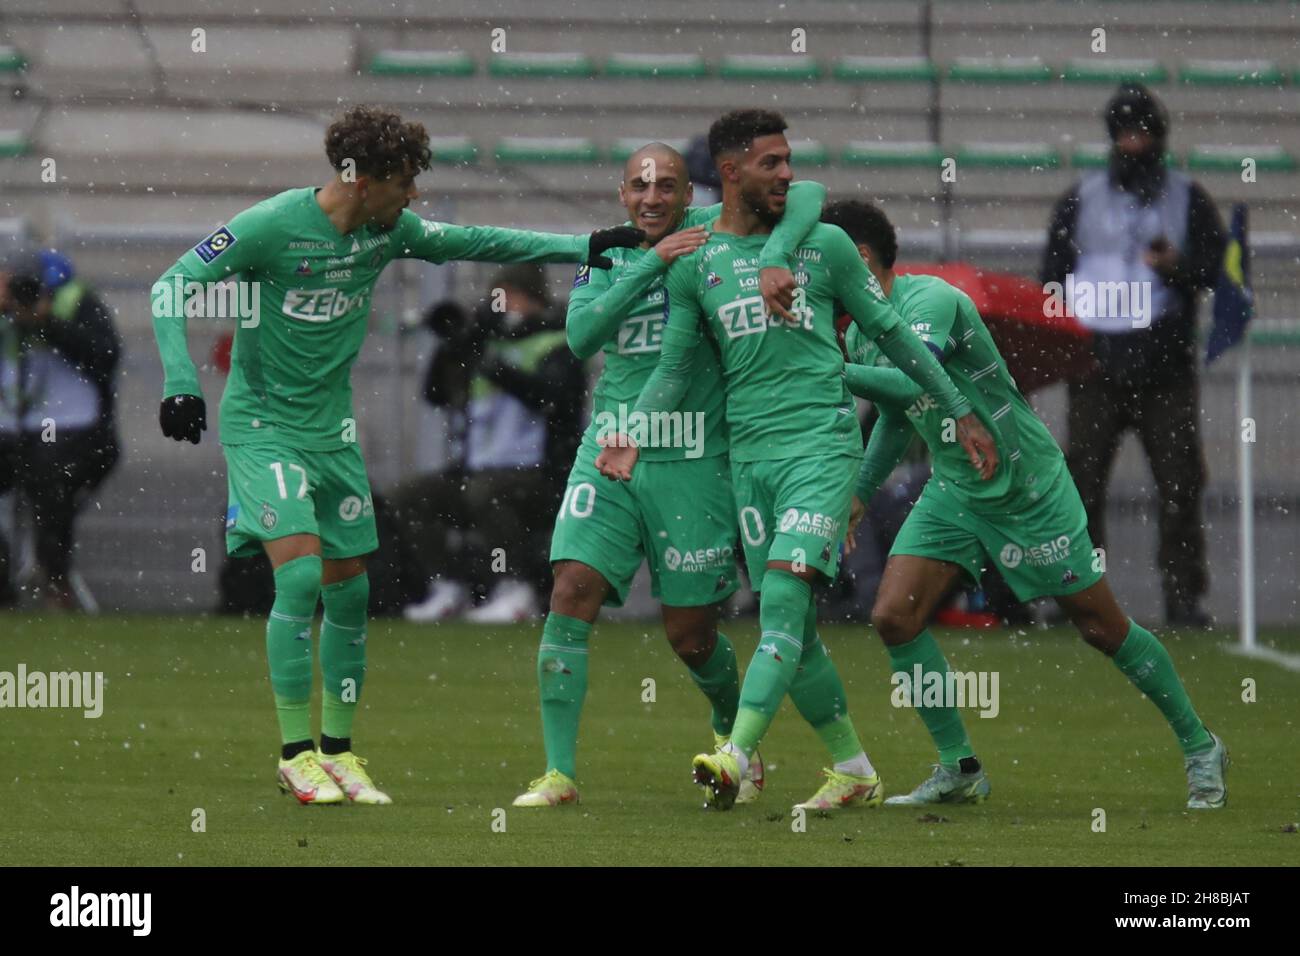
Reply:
x=1290, y=661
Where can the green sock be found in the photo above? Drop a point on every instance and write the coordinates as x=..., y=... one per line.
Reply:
x=562, y=680
x=782, y=609
x=343, y=652
x=944, y=723
x=1144, y=661
x=719, y=681
x=818, y=693
x=288, y=645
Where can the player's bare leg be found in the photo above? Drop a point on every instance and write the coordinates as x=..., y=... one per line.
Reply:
x=1144, y=661
x=910, y=591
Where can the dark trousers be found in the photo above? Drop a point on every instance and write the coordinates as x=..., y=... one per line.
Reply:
x=457, y=520
x=54, y=478
x=1166, y=418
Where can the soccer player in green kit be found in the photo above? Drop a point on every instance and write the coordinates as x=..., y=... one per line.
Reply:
x=795, y=444
x=1029, y=519
x=297, y=481
x=678, y=513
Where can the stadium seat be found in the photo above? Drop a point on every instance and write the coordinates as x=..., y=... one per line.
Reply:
x=872, y=69
x=453, y=149
x=11, y=61
x=541, y=64
x=1008, y=155
x=1231, y=73
x=1008, y=69
x=659, y=66
x=12, y=142
x=627, y=145
x=872, y=153
x=756, y=66
x=422, y=63
x=1267, y=157
x=546, y=149
x=809, y=152
x=1110, y=71
x=1097, y=155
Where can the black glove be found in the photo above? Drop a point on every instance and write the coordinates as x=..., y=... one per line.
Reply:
x=182, y=417
x=618, y=236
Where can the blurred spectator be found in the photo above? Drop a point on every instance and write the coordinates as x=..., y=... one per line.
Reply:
x=1152, y=229
x=58, y=436
x=703, y=173
x=509, y=368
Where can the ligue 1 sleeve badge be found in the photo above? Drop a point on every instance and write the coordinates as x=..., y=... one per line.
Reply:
x=215, y=244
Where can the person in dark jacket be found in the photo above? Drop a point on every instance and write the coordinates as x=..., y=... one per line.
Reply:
x=507, y=374
x=1131, y=246
x=58, y=435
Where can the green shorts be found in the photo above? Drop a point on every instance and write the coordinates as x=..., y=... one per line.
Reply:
x=1042, y=551
x=794, y=509
x=679, y=516
x=277, y=491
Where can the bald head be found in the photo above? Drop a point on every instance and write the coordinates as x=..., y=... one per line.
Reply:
x=655, y=190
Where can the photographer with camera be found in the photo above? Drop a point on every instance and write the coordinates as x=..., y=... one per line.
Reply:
x=58, y=436
x=506, y=371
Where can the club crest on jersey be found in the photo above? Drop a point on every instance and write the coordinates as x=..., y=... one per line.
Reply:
x=712, y=280
x=215, y=244
x=582, y=277
x=304, y=268
x=269, y=517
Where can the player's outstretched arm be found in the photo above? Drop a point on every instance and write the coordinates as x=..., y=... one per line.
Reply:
x=775, y=280
x=233, y=248
x=597, y=306
x=884, y=386
x=443, y=242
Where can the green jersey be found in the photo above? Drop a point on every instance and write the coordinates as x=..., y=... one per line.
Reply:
x=1029, y=459
x=621, y=311
x=302, y=306
x=784, y=380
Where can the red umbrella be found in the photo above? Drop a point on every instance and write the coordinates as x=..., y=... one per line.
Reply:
x=1040, y=348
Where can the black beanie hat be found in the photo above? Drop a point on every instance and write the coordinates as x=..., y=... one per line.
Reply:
x=1135, y=107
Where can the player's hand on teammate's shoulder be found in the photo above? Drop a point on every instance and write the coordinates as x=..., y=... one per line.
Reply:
x=681, y=243
x=979, y=445
x=183, y=417
x=617, y=458
x=615, y=237
x=777, y=285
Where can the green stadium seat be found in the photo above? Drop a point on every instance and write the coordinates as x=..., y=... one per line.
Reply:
x=627, y=145
x=1112, y=70
x=657, y=66
x=873, y=153
x=12, y=143
x=1097, y=155
x=546, y=149
x=808, y=152
x=455, y=150
x=1007, y=69
x=755, y=66
x=1231, y=73
x=869, y=69
x=11, y=61
x=1228, y=158
x=541, y=64
x=1008, y=155
x=422, y=63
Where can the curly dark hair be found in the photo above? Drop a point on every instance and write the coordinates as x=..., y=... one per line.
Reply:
x=737, y=130
x=867, y=225
x=378, y=141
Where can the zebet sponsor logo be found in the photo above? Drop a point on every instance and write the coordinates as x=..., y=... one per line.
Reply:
x=810, y=522
x=701, y=559
x=652, y=429
x=103, y=909
x=947, y=689
x=749, y=316
x=208, y=300
x=79, y=690
x=1039, y=556
x=321, y=305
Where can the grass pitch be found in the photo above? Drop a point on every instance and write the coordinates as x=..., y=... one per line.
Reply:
x=449, y=723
